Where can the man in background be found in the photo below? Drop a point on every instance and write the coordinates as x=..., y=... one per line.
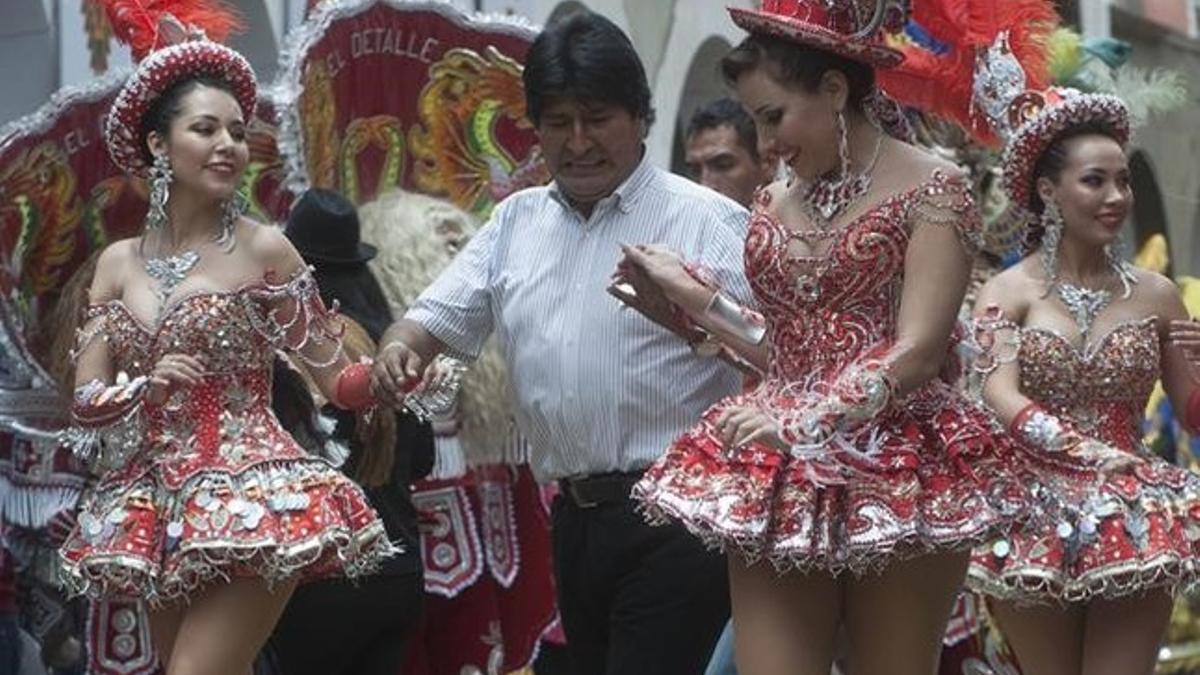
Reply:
x=721, y=151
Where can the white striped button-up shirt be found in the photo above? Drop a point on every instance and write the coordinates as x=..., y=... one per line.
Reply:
x=597, y=389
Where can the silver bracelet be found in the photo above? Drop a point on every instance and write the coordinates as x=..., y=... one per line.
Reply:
x=731, y=317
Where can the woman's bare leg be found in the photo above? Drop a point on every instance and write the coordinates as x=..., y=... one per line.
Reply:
x=164, y=625
x=1122, y=636
x=1047, y=640
x=782, y=624
x=895, y=620
x=225, y=625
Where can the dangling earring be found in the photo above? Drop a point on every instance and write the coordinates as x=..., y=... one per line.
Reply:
x=843, y=149
x=1115, y=253
x=233, y=209
x=1052, y=227
x=160, y=191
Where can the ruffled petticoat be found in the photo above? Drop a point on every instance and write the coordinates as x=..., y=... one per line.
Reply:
x=1100, y=536
x=141, y=539
x=930, y=474
x=218, y=490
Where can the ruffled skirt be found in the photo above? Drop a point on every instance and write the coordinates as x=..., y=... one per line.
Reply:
x=932, y=473
x=137, y=537
x=1105, y=536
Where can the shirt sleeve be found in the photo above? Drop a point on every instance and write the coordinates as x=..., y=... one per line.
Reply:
x=723, y=254
x=457, y=306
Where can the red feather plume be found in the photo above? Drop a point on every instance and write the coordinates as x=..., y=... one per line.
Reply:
x=137, y=22
x=942, y=84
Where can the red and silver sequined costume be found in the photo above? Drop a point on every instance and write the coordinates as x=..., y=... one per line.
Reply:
x=1108, y=535
x=926, y=473
x=208, y=485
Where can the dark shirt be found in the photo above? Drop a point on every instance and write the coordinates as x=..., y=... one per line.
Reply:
x=393, y=500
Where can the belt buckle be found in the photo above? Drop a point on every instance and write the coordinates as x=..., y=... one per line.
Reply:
x=578, y=499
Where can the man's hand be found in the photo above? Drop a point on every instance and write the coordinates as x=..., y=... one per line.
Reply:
x=397, y=370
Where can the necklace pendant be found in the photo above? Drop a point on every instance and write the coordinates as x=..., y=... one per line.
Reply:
x=1085, y=304
x=828, y=210
x=169, y=272
x=808, y=287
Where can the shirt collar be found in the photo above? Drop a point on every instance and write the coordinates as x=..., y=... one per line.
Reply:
x=625, y=195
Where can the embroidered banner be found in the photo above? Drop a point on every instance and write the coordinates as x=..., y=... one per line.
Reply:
x=383, y=93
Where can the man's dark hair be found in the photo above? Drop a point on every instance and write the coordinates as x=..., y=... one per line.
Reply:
x=586, y=57
x=726, y=112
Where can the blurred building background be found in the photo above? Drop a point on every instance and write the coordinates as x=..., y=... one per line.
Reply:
x=48, y=44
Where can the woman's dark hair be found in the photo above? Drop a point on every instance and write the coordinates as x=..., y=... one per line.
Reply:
x=357, y=292
x=65, y=317
x=167, y=107
x=1050, y=165
x=797, y=65
x=361, y=299
x=293, y=405
x=585, y=57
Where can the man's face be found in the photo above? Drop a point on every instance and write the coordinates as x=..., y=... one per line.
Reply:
x=590, y=148
x=717, y=159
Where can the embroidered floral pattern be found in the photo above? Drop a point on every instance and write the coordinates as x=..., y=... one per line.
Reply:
x=922, y=473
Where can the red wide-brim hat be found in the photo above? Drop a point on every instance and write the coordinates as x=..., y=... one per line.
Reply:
x=155, y=75
x=1062, y=110
x=809, y=22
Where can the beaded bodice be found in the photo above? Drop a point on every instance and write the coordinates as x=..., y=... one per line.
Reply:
x=226, y=418
x=1103, y=387
x=218, y=327
x=825, y=311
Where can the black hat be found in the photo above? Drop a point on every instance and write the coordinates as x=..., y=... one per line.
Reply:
x=324, y=227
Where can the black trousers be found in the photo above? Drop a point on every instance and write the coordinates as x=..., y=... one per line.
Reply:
x=635, y=599
x=343, y=627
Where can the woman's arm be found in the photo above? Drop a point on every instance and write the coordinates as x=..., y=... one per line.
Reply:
x=995, y=333
x=1180, y=358
x=311, y=331
x=664, y=287
x=937, y=268
x=105, y=423
x=92, y=358
x=1000, y=310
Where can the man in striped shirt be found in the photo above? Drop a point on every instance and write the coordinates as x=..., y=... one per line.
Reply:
x=600, y=392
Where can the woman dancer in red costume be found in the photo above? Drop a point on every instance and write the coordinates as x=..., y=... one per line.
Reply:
x=1072, y=340
x=205, y=507
x=855, y=467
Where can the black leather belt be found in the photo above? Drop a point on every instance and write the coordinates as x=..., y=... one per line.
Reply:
x=600, y=488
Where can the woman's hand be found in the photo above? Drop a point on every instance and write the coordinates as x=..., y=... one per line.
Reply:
x=739, y=426
x=171, y=371
x=1186, y=336
x=1103, y=457
x=656, y=272
x=438, y=374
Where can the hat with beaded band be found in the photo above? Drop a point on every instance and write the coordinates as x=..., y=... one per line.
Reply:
x=172, y=41
x=850, y=28
x=1057, y=110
